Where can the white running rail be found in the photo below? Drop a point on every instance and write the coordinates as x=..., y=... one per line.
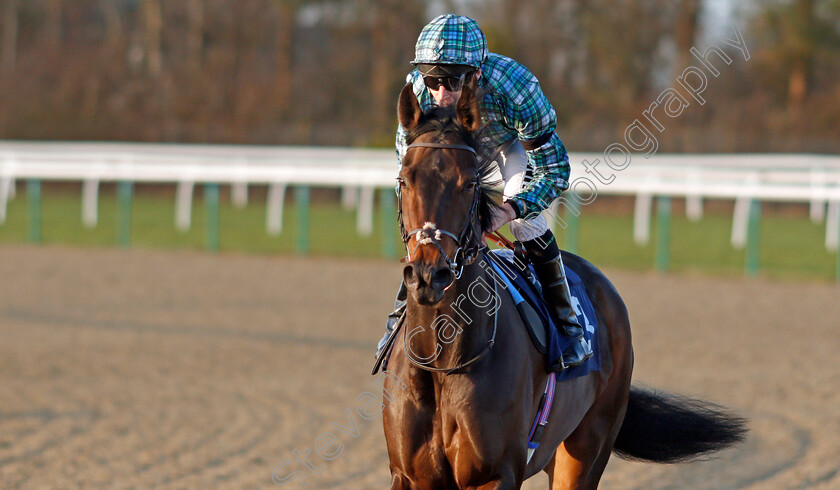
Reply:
x=813, y=179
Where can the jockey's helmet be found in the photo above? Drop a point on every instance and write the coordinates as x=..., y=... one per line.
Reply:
x=449, y=46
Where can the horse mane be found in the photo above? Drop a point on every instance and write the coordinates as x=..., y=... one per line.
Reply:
x=443, y=122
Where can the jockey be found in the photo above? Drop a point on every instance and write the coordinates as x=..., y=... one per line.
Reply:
x=519, y=125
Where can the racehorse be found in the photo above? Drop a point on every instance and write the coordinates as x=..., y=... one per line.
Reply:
x=471, y=377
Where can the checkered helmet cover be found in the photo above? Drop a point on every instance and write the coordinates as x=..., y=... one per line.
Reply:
x=451, y=39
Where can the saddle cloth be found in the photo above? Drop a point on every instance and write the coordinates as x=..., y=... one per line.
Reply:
x=541, y=327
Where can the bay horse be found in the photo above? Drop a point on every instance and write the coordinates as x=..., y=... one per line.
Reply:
x=472, y=380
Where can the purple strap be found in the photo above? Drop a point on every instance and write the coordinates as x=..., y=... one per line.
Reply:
x=549, y=398
x=541, y=419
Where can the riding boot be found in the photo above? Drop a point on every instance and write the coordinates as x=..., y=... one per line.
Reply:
x=549, y=268
x=393, y=317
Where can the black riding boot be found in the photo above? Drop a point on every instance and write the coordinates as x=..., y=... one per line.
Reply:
x=393, y=317
x=545, y=256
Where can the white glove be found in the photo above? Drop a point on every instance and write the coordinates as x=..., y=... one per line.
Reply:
x=501, y=217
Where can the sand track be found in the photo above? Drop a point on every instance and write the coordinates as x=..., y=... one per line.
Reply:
x=187, y=370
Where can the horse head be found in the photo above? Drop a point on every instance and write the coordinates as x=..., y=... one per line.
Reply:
x=445, y=198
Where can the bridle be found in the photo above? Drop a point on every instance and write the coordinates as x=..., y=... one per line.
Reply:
x=469, y=244
x=487, y=347
x=465, y=254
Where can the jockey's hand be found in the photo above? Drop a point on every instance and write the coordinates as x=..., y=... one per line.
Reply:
x=501, y=217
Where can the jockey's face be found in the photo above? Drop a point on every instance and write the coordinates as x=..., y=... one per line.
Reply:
x=444, y=97
x=448, y=98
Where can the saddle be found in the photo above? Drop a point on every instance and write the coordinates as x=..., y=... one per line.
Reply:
x=514, y=270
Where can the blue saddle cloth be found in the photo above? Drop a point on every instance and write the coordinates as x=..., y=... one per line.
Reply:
x=530, y=292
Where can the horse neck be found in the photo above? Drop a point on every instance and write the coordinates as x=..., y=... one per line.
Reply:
x=457, y=328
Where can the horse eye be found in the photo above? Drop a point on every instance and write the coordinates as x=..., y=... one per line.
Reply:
x=400, y=181
x=471, y=185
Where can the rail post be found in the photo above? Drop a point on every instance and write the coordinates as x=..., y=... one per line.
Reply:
x=386, y=210
x=663, y=233
x=572, y=241
x=837, y=273
x=33, y=197
x=211, y=208
x=302, y=203
x=124, y=194
x=753, y=238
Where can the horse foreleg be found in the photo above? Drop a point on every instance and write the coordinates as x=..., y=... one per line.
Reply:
x=498, y=485
x=580, y=460
x=571, y=473
x=506, y=480
x=549, y=470
x=400, y=482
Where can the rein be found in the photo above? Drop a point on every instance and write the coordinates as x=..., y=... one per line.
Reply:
x=442, y=145
x=464, y=255
x=475, y=358
x=430, y=234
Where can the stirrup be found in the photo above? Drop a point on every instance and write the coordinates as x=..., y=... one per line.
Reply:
x=382, y=355
x=562, y=365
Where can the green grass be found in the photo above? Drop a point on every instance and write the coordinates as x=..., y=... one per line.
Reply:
x=333, y=230
x=791, y=247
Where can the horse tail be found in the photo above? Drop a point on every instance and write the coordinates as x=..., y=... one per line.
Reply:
x=666, y=428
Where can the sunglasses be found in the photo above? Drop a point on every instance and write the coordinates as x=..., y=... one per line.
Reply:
x=452, y=84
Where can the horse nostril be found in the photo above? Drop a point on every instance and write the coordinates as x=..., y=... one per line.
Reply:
x=409, y=274
x=442, y=277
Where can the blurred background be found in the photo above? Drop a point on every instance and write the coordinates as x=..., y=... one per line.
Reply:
x=301, y=72
x=209, y=350
x=328, y=72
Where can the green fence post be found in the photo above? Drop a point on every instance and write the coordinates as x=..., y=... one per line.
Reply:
x=663, y=233
x=302, y=202
x=387, y=222
x=753, y=235
x=838, y=243
x=33, y=196
x=572, y=228
x=211, y=208
x=124, y=193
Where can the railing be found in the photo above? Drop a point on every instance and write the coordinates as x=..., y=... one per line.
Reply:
x=746, y=178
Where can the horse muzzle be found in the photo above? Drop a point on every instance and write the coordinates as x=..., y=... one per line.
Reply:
x=428, y=282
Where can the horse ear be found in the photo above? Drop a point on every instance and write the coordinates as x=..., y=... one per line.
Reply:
x=467, y=110
x=408, y=108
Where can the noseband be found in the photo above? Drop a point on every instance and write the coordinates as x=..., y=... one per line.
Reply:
x=429, y=233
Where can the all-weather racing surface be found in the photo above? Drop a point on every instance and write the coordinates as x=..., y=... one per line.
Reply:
x=183, y=369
